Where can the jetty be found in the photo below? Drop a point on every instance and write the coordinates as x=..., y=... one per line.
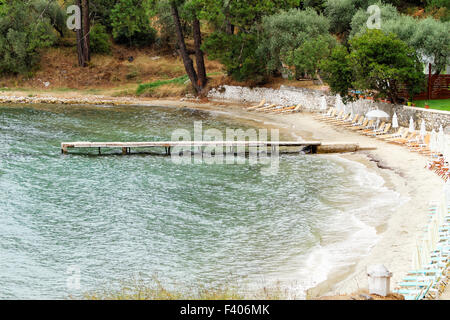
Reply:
x=311, y=146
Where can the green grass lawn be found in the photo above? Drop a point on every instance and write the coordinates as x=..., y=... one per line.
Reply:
x=442, y=104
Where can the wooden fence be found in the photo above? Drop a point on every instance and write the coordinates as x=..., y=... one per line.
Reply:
x=438, y=87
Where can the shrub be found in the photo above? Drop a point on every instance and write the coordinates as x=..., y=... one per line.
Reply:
x=238, y=54
x=131, y=24
x=341, y=12
x=22, y=33
x=307, y=58
x=100, y=42
x=338, y=71
x=386, y=64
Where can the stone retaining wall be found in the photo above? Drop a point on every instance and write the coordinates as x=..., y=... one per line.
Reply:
x=311, y=100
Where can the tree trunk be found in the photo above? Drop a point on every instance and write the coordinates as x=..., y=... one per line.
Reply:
x=187, y=61
x=80, y=41
x=86, y=30
x=318, y=77
x=199, y=56
x=229, y=28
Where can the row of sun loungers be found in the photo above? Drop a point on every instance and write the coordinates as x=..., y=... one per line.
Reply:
x=430, y=280
x=273, y=108
x=358, y=123
x=412, y=140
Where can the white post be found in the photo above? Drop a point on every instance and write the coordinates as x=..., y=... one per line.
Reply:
x=379, y=280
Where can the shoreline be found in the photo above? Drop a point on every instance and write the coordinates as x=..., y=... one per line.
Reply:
x=402, y=171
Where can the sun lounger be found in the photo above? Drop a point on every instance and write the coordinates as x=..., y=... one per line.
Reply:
x=266, y=107
x=351, y=121
x=359, y=121
x=398, y=134
x=366, y=125
x=416, y=146
x=373, y=130
x=386, y=129
x=325, y=115
x=297, y=108
x=288, y=109
x=407, y=137
x=332, y=118
x=273, y=108
x=411, y=138
x=263, y=101
x=340, y=121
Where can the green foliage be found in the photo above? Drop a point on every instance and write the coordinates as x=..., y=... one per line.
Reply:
x=443, y=6
x=307, y=57
x=359, y=20
x=338, y=72
x=429, y=37
x=238, y=51
x=50, y=9
x=3, y=6
x=341, y=12
x=238, y=54
x=100, y=42
x=385, y=63
x=243, y=14
x=101, y=10
x=153, y=85
x=22, y=33
x=286, y=31
x=318, y=5
x=130, y=23
x=165, y=24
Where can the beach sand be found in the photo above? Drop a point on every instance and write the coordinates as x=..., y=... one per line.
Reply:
x=402, y=170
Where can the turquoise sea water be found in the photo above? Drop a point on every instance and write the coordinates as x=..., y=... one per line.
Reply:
x=116, y=217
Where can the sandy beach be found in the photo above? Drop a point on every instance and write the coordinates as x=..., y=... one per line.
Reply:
x=402, y=170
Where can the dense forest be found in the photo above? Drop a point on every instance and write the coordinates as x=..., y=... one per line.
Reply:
x=367, y=45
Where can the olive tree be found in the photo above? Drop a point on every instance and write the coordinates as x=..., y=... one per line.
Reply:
x=307, y=58
x=429, y=37
x=283, y=33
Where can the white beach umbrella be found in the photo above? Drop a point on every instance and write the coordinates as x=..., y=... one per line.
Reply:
x=412, y=128
x=323, y=104
x=446, y=150
x=376, y=114
x=425, y=252
x=433, y=141
x=416, y=262
x=423, y=130
x=394, y=121
x=433, y=233
x=440, y=140
x=338, y=103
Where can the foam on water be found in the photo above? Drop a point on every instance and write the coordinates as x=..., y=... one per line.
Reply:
x=347, y=235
